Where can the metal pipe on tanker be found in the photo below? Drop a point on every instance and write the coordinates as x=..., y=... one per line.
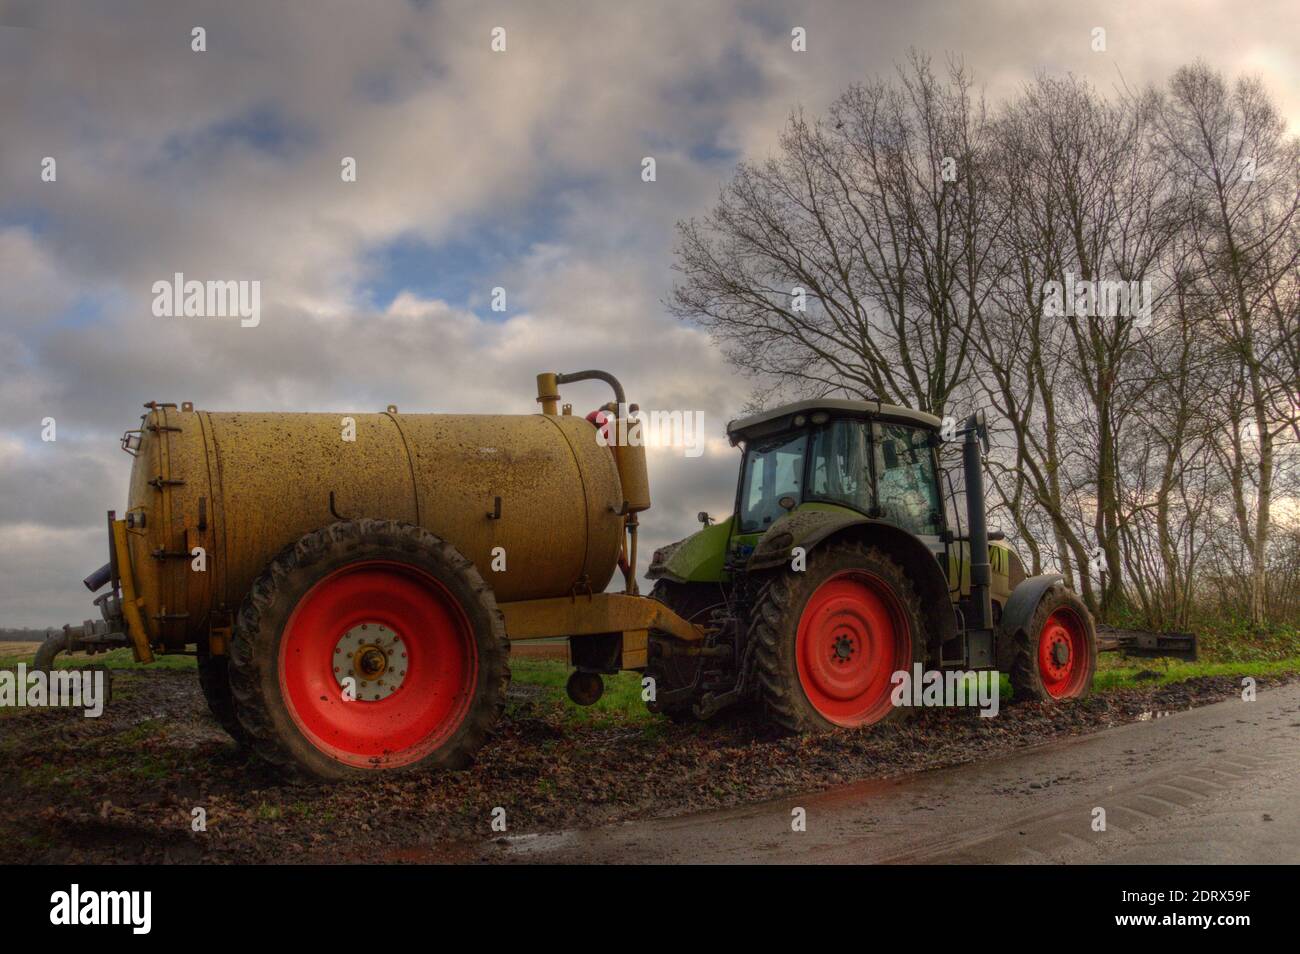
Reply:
x=548, y=392
x=99, y=579
x=628, y=457
x=593, y=375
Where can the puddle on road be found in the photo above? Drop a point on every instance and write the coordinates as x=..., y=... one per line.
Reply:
x=537, y=842
x=464, y=852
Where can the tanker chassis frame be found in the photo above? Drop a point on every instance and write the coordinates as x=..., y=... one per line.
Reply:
x=836, y=569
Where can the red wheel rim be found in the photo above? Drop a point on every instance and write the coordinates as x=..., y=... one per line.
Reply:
x=1063, y=654
x=852, y=638
x=428, y=633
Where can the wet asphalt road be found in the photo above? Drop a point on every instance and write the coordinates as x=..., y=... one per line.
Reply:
x=1216, y=784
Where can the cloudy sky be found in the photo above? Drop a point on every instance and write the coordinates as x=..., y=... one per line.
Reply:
x=475, y=169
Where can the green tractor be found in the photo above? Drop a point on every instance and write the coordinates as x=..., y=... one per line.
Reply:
x=838, y=568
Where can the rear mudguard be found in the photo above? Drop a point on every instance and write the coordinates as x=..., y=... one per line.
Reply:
x=1020, y=609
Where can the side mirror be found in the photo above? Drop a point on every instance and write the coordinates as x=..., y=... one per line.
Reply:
x=704, y=518
x=890, y=453
x=788, y=503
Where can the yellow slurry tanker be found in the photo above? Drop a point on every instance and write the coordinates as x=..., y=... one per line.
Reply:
x=351, y=583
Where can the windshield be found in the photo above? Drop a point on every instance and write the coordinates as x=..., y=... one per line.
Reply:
x=772, y=471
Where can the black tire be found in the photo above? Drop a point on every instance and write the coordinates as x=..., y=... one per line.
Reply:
x=775, y=621
x=694, y=602
x=214, y=680
x=260, y=702
x=1027, y=678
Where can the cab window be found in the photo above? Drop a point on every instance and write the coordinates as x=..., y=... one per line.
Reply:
x=841, y=469
x=772, y=471
x=908, y=489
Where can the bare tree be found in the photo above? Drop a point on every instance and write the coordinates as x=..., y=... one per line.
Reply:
x=851, y=261
x=1087, y=203
x=1228, y=150
x=1167, y=481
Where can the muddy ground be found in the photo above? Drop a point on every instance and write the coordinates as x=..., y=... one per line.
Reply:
x=123, y=787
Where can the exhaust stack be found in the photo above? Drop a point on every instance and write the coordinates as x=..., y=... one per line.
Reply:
x=981, y=573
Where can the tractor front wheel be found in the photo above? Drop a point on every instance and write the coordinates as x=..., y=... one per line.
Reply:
x=1056, y=653
x=830, y=638
x=369, y=645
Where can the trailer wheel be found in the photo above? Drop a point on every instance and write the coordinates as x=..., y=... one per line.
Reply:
x=369, y=645
x=1056, y=652
x=214, y=680
x=830, y=638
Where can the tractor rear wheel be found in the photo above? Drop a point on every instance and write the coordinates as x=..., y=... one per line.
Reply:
x=1056, y=653
x=830, y=638
x=369, y=645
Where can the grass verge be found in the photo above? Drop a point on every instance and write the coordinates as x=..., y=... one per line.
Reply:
x=621, y=703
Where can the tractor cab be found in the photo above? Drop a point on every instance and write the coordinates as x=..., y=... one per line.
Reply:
x=856, y=460
x=819, y=471
x=871, y=459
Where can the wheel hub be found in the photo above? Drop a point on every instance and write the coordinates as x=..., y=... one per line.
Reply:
x=374, y=656
x=844, y=648
x=1060, y=653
